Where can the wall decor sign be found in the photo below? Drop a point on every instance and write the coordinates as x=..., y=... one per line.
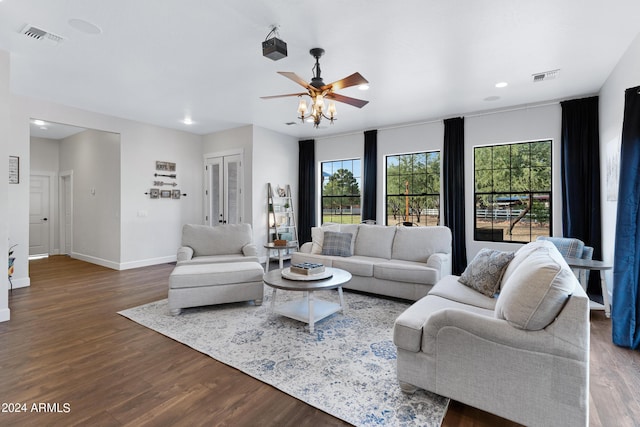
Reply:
x=165, y=166
x=165, y=194
x=14, y=170
x=175, y=194
x=154, y=193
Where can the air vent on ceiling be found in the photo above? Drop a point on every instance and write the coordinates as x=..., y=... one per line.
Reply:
x=547, y=75
x=40, y=34
x=290, y=123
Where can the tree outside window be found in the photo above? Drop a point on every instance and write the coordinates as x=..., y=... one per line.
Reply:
x=512, y=191
x=413, y=189
x=341, y=191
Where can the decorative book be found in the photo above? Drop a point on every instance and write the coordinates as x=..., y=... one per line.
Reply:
x=307, y=268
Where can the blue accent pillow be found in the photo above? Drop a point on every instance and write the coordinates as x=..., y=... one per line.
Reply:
x=337, y=244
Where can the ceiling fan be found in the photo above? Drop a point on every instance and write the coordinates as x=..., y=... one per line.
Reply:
x=318, y=91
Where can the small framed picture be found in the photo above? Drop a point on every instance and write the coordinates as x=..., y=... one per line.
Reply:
x=175, y=194
x=154, y=193
x=165, y=166
x=14, y=170
x=165, y=194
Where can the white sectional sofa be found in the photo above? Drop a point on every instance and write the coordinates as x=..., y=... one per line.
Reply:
x=402, y=262
x=523, y=355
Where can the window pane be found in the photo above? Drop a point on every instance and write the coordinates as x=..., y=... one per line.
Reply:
x=341, y=182
x=513, y=192
x=413, y=188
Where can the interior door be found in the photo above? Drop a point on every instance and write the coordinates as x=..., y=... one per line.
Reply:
x=39, y=215
x=223, y=192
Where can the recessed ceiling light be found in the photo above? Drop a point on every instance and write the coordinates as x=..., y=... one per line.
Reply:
x=502, y=84
x=84, y=26
x=187, y=121
x=38, y=123
x=364, y=87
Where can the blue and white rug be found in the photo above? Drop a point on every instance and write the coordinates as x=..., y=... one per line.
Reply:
x=346, y=368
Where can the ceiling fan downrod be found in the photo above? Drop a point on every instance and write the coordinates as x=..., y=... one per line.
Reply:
x=316, y=81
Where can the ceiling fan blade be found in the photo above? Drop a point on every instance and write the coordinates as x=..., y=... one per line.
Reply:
x=282, y=96
x=347, y=100
x=296, y=78
x=354, y=79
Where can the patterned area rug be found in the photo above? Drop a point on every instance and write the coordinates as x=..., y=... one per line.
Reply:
x=346, y=368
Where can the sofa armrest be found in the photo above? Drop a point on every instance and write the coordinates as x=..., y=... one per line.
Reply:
x=250, y=250
x=463, y=324
x=185, y=253
x=306, y=247
x=441, y=262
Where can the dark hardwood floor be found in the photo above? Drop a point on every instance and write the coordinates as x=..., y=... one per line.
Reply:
x=67, y=351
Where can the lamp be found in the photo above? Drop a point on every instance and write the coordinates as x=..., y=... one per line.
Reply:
x=316, y=110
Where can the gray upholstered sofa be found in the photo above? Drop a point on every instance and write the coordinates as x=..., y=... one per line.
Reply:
x=402, y=262
x=202, y=244
x=523, y=355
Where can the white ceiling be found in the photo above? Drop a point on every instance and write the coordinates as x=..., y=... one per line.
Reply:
x=157, y=61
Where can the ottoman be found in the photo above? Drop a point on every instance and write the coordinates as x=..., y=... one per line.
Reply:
x=195, y=285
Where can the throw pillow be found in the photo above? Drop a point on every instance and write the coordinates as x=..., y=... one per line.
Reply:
x=485, y=271
x=535, y=293
x=317, y=236
x=337, y=244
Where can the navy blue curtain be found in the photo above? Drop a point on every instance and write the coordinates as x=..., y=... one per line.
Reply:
x=370, y=175
x=625, y=307
x=453, y=174
x=580, y=169
x=306, y=189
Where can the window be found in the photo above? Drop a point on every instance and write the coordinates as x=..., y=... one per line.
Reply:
x=512, y=191
x=341, y=181
x=413, y=189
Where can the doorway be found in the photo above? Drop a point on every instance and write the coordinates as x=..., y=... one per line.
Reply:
x=223, y=189
x=40, y=229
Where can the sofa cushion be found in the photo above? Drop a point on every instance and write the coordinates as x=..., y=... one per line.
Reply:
x=224, y=239
x=337, y=244
x=356, y=265
x=419, y=243
x=353, y=229
x=519, y=257
x=317, y=236
x=450, y=288
x=536, y=291
x=485, y=271
x=212, y=259
x=406, y=271
x=374, y=241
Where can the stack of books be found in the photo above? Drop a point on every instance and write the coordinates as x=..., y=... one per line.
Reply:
x=307, y=268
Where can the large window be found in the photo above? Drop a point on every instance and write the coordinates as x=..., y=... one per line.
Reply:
x=413, y=189
x=341, y=181
x=512, y=191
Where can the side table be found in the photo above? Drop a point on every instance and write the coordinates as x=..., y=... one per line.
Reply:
x=282, y=251
x=591, y=264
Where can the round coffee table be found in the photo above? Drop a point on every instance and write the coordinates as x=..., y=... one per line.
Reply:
x=307, y=309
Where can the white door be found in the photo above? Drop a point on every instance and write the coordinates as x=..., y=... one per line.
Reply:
x=223, y=190
x=39, y=215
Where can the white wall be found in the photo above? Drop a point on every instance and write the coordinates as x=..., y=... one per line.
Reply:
x=611, y=107
x=275, y=161
x=94, y=158
x=149, y=230
x=4, y=196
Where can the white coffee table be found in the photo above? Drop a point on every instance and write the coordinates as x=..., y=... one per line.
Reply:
x=307, y=309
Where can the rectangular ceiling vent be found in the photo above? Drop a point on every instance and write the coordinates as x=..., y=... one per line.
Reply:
x=547, y=75
x=40, y=34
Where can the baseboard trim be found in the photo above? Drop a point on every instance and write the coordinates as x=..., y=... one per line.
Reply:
x=147, y=262
x=23, y=282
x=96, y=260
x=5, y=315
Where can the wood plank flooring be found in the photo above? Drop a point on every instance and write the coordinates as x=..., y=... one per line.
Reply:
x=67, y=351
